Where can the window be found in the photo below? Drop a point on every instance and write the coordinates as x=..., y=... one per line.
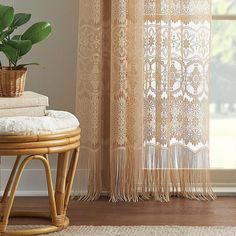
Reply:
x=223, y=91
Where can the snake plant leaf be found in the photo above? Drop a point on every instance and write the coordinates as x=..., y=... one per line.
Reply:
x=6, y=16
x=11, y=53
x=37, y=32
x=20, y=19
x=16, y=37
x=26, y=64
x=23, y=46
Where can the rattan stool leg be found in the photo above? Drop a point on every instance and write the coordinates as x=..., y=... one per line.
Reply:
x=8, y=205
x=70, y=177
x=52, y=202
x=9, y=182
x=62, y=166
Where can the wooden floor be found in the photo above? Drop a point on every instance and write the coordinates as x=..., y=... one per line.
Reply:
x=221, y=212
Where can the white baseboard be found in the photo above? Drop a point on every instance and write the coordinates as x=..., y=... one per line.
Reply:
x=33, y=183
x=22, y=193
x=221, y=192
x=224, y=189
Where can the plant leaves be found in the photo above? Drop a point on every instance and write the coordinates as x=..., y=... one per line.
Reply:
x=23, y=46
x=20, y=19
x=27, y=64
x=11, y=53
x=6, y=33
x=16, y=37
x=6, y=16
x=1, y=36
x=37, y=32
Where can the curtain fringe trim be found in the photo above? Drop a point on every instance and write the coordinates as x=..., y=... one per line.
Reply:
x=160, y=174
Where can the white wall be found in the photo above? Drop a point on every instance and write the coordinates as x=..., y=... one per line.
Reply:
x=56, y=75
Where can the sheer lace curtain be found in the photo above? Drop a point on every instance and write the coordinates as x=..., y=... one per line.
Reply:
x=142, y=99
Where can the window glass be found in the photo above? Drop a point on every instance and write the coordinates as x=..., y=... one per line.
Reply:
x=223, y=7
x=223, y=88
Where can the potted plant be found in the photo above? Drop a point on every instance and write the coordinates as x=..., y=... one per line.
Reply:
x=14, y=47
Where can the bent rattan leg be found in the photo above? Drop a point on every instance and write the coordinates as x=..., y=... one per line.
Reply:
x=7, y=209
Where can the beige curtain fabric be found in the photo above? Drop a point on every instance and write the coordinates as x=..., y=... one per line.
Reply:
x=142, y=99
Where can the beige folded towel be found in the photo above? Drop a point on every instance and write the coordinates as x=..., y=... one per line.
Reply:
x=28, y=99
x=23, y=111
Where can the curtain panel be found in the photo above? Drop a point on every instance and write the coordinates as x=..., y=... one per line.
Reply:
x=142, y=99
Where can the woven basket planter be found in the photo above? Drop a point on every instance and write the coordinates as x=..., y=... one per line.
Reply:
x=12, y=82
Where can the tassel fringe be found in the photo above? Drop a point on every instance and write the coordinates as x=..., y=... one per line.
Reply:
x=160, y=174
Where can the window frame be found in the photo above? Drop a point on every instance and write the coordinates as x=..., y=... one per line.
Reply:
x=224, y=17
x=223, y=180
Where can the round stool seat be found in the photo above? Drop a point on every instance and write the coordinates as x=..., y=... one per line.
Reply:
x=52, y=122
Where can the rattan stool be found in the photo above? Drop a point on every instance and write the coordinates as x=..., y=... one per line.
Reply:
x=37, y=147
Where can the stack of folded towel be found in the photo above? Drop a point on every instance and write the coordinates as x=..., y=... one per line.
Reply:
x=29, y=104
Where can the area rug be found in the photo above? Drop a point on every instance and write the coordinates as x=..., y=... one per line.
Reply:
x=145, y=231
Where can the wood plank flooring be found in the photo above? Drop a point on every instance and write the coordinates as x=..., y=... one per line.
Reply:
x=221, y=212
